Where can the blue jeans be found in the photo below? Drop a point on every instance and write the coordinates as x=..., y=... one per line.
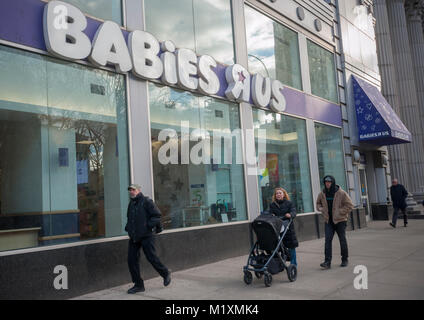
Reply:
x=293, y=256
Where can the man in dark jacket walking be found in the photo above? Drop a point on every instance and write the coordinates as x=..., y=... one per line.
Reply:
x=399, y=195
x=143, y=220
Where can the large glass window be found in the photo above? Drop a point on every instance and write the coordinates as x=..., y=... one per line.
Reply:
x=63, y=151
x=203, y=26
x=285, y=163
x=103, y=9
x=322, y=72
x=273, y=49
x=330, y=153
x=197, y=181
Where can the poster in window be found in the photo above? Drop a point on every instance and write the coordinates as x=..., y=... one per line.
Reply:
x=63, y=157
x=272, y=165
x=82, y=171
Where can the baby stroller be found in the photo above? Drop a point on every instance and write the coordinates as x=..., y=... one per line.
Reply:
x=268, y=255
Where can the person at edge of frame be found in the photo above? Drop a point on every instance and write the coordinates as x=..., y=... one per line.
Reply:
x=398, y=194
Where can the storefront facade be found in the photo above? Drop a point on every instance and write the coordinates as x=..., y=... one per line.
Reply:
x=375, y=126
x=176, y=100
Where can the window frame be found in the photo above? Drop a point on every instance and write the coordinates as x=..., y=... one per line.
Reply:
x=276, y=19
x=336, y=82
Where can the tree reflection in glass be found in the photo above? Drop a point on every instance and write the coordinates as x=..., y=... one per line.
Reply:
x=203, y=26
x=273, y=49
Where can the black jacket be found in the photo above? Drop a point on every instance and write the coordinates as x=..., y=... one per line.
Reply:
x=142, y=217
x=280, y=210
x=399, y=195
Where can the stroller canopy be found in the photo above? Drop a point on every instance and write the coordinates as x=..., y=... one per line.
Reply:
x=267, y=228
x=275, y=222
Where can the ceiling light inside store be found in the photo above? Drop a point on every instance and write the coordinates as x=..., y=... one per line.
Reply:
x=85, y=142
x=289, y=136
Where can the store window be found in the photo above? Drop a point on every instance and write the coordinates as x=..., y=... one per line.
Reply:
x=285, y=163
x=63, y=151
x=330, y=153
x=322, y=72
x=103, y=9
x=273, y=49
x=197, y=181
x=203, y=26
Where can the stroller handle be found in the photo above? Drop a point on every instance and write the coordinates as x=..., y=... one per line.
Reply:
x=285, y=219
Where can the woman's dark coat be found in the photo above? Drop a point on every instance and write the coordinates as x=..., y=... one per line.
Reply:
x=280, y=209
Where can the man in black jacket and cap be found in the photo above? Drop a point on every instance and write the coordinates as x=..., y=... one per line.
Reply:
x=143, y=220
x=399, y=195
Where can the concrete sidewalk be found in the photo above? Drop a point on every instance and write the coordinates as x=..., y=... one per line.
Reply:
x=394, y=259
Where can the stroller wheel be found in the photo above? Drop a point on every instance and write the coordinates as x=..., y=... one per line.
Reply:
x=258, y=274
x=292, y=272
x=268, y=279
x=247, y=277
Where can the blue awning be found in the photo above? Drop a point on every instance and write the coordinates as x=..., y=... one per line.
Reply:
x=377, y=122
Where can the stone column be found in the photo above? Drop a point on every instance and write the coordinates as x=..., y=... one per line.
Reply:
x=414, y=14
x=408, y=103
x=389, y=85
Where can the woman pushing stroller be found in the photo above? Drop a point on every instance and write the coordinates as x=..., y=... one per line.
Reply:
x=282, y=207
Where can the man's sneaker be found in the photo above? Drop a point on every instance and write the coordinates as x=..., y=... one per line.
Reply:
x=392, y=225
x=344, y=263
x=325, y=265
x=167, y=280
x=136, y=289
x=405, y=224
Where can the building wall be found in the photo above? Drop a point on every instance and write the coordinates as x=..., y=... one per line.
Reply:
x=102, y=263
x=359, y=57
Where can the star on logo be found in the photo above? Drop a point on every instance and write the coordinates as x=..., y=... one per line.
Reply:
x=241, y=76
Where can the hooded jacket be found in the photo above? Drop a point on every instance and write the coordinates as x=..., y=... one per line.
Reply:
x=143, y=216
x=342, y=204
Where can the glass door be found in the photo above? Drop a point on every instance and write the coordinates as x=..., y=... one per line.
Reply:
x=364, y=192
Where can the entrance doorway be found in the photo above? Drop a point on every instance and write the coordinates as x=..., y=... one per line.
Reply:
x=364, y=192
